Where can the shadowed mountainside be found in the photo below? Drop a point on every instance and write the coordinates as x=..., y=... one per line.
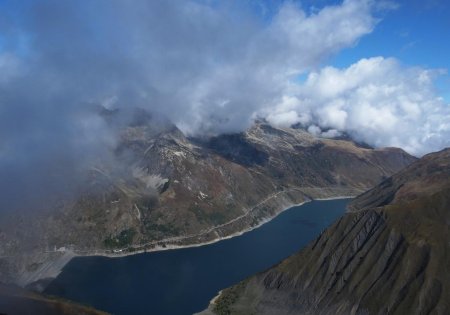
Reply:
x=390, y=254
x=15, y=300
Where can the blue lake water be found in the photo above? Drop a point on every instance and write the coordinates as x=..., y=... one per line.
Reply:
x=183, y=281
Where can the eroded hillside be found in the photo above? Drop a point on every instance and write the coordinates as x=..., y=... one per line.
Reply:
x=389, y=255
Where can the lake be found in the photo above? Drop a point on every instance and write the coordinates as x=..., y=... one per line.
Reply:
x=183, y=281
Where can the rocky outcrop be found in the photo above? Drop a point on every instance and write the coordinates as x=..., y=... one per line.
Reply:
x=15, y=300
x=164, y=189
x=388, y=255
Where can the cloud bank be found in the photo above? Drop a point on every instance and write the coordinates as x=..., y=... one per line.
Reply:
x=209, y=66
x=375, y=100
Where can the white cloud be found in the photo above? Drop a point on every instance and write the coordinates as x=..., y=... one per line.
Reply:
x=205, y=66
x=378, y=101
x=10, y=67
x=265, y=61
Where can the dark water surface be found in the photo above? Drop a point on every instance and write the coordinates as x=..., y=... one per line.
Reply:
x=183, y=281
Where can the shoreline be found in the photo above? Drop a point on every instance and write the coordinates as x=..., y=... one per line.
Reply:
x=212, y=302
x=53, y=268
x=216, y=240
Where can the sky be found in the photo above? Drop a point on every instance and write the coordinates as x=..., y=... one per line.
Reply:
x=376, y=70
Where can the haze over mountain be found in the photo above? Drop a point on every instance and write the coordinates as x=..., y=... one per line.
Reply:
x=210, y=67
x=388, y=255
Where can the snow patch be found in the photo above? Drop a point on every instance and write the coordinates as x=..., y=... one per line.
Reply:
x=154, y=181
x=179, y=154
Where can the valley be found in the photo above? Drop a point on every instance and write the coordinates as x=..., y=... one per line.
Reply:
x=154, y=197
x=218, y=157
x=387, y=254
x=135, y=284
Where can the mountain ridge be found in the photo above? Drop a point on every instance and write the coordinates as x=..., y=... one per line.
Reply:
x=388, y=255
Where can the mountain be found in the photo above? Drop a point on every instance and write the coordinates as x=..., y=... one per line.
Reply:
x=390, y=254
x=162, y=189
x=15, y=300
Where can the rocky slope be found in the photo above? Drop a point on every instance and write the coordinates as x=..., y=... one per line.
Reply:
x=390, y=254
x=15, y=300
x=164, y=189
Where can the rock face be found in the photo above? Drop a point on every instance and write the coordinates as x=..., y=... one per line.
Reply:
x=15, y=300
x=164, y=189
x=390, y=254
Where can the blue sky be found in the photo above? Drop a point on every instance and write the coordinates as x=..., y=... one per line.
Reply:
x=416, y=32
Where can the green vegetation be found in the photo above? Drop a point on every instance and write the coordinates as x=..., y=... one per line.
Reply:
x=155, y=231
x=215, y=218
x=123, y=239
x=147, y=202
x=227, y=298
x=199, y=213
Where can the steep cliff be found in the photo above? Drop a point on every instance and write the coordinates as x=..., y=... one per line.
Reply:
x=390, y=254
